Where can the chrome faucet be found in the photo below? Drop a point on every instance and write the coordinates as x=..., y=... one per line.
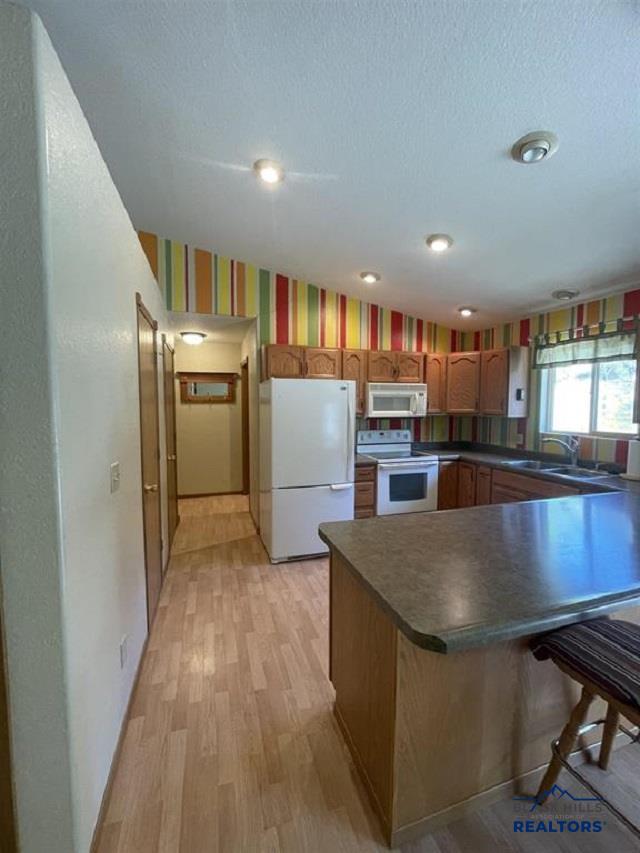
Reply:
x=572, y=446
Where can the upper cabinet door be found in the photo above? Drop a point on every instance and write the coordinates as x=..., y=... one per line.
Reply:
x=409, y=367
x=463, y=383
x=382, y=367
x=436, y=376
x=322, y=363
x=281, y=361
x=494, y=382
x=354, y=366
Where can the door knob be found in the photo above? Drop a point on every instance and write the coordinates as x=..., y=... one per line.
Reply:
x=150, y=488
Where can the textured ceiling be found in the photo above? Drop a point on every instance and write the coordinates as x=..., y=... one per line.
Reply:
x=393, y=120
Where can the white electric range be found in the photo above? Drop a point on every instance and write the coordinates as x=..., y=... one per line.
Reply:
x=407, y=480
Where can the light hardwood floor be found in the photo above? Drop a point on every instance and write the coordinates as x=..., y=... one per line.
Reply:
x=231, y=745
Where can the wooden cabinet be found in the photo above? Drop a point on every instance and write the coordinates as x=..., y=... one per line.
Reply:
x=463, y=383
x=354, y=366
x=322, y=363
x=508, y=488
x=384, y=366
x=409, y=367
x=504, y=376
x=494, y=379
x=466, y=484
x=381, y=366
x=483, y=485
x=436, y=379
x=448, y=485
x=365, y=491
x=281, y=361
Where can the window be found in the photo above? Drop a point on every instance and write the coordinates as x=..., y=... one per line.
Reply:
x=590, y=398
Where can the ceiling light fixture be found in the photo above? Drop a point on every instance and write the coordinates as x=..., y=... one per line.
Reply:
x=439, y=242
x=565, y=295
x=535, y=147
x=193, y=338
x=269, y=171
x=466, y=311
x=370, y=277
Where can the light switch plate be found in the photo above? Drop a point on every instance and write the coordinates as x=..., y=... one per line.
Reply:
x=115, y=476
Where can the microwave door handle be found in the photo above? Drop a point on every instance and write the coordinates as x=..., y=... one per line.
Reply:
x=413, y=405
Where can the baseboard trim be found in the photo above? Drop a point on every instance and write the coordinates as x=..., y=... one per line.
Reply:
x=102, y=811
x=207, y=495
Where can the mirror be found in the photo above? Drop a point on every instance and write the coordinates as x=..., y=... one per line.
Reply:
x=207, y=387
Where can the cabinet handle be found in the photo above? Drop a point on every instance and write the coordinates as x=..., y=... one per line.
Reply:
x=150, y=488
x=171, y=457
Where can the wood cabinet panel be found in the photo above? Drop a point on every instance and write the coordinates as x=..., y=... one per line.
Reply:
x=409, y=367
x=281, y=361
x=381, y=366
x=507, y=487
x=494, y=381
x=363, y=512
x=322, y=363
x=463, y=383
x=365, y=472
x=354, y=366
x=483, y=485
x=364, y=495
x=448, y=485
x=466, y=484
x=436, y=378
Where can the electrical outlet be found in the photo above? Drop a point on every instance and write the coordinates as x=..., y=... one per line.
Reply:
x=520, y=439
x=123, y=651
x=115, y=476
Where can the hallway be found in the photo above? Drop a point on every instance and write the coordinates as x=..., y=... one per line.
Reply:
x=231, y=744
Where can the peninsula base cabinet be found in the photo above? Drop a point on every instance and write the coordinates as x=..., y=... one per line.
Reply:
x=416, y=721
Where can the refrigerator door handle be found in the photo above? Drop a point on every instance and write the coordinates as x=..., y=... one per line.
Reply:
x=350, y=437
x=340, y=487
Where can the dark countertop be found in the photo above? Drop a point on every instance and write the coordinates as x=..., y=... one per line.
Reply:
x=462, y=578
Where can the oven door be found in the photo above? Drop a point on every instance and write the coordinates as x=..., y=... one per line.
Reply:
x=407, y=486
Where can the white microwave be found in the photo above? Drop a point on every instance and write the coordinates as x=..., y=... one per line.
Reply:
x=396, y=400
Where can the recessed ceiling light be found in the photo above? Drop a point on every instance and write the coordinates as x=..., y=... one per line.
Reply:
x=193, y=338
x=439, y=242
x=466, y=311
x=565, y=295
x=370, y=277
x=269, y=171
x=535, y=147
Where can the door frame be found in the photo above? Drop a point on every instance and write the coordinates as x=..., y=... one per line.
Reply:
x=8, y=831
x=167, y=348
x=245, y=417
x=142, y=309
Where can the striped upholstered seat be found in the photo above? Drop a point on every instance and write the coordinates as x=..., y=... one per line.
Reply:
x=604, y=651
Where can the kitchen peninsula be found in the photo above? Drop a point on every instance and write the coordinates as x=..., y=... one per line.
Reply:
x=441, y=703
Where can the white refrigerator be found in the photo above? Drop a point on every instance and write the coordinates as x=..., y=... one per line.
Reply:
x=307, y=445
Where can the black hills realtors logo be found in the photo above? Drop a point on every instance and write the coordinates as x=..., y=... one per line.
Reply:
x=559, y=811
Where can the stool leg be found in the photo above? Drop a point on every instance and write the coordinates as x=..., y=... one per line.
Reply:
x=608, y=735
x=566, y=743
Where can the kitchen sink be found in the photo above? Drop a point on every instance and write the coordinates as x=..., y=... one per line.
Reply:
x=532, y=464
x=576, y=473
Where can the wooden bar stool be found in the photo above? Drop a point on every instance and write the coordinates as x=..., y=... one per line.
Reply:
x=603, y=655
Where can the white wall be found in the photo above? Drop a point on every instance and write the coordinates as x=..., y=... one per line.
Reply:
x=72, y=553
x=209, y=437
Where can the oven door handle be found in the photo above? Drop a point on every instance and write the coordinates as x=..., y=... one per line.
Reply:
x=419, y=465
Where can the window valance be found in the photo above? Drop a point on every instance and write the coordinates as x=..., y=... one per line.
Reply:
x=610, y=346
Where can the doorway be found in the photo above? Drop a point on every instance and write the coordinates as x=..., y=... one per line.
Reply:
x=168, y=363
x=246, y=444
x=150, y=455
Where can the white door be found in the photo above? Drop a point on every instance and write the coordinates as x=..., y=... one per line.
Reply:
x=312, y=432
x=297, y=513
